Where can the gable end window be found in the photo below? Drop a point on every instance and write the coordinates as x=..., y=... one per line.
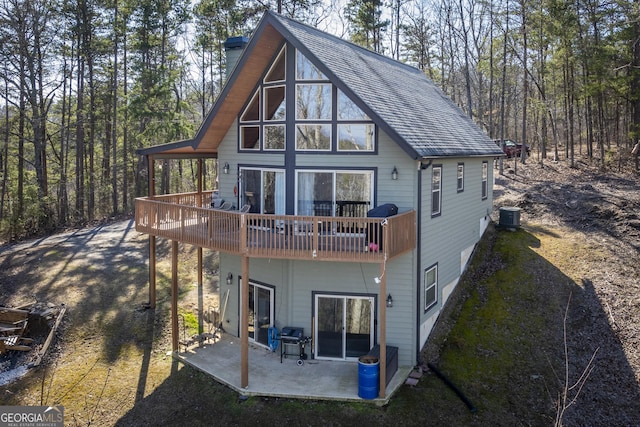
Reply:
x=430, y=287
x=436, y=190
x=485, y=183
x=306, y=107
x=460, y=177
x=263, y=120
x=305, y=70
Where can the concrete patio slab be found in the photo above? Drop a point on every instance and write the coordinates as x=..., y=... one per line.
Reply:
x=314, y=379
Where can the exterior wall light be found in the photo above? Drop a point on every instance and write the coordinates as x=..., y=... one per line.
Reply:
x=225, y=169
x=394, y=174
x=389, y=301
x=229, y=278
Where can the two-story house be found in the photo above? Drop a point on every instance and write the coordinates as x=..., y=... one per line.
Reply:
x=318, y=142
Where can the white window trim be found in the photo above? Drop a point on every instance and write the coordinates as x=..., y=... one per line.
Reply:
x=460, y=177
x=318, y=123
x=283, y=51
x=485, y=180
x=264, y=136
x=350, y=123
x=439, y=191
x=314, y=119
x=429, y=304
x=253, y=99
x=262, y=171
x=265, y=100
x=321, y=78
x=333, y=191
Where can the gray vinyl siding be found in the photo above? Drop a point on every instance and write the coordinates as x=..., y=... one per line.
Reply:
x=442, y=240
x=296, y=281
x=444, y=237
x=227, y=152
x=400, y=192
x=401, y=324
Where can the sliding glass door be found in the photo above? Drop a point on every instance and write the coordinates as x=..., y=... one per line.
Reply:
x=344, y=326
x=263, y=190
x=260, y=313
x=334, y=193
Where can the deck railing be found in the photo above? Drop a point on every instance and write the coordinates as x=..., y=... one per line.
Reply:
x=182, y=217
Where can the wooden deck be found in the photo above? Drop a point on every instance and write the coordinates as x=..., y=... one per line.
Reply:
x=181, y=217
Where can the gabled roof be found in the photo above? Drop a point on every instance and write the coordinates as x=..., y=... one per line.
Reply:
x=400, y=99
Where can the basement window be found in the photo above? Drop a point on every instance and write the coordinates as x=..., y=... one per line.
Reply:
x=430, y=287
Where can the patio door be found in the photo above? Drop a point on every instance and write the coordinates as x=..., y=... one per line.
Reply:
x=263, y=190
x=334, y=193
x=344, y=327
x=260, y=312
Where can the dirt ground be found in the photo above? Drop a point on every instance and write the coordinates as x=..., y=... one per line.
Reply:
x=605, y=211
x=111, y=353
x=602, y=213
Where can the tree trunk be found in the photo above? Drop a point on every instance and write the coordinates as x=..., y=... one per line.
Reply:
x=79, y=214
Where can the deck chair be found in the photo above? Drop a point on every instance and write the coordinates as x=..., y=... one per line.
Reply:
x=214, y=329
x=226, y=206
x=245, y=208
x=217, y=203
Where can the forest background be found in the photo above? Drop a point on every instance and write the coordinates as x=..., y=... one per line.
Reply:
x=85, y=83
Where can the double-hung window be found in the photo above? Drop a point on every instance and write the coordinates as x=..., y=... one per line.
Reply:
x=485, y=180
x=436, y=190
x=430, y=287
x=460, y=177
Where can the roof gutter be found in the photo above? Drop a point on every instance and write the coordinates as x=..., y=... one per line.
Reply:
x=458, y=156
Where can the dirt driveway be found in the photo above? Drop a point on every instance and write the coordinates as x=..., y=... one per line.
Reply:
x=110, y=350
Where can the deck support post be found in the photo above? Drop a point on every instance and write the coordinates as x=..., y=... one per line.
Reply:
x=244, y=323
x=383, y=329
x=174, y=295
x=200, y=170
x=200, y=266
x=200, y=293
x=152, y=239
x=152, y=271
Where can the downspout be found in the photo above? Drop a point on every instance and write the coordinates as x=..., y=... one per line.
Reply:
x=421, y=168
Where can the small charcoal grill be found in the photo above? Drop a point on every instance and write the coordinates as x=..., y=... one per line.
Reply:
x=293, y=336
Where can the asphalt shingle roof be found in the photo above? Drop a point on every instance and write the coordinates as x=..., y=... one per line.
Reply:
x=401, y=99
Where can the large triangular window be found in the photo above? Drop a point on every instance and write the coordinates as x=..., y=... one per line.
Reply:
x=278, y=71
x=262, y=121
x=305, y=70
x=325, y=119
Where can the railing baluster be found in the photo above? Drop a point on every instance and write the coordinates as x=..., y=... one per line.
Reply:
x=182, y=217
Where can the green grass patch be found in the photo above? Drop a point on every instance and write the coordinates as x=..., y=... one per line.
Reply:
x=498, y=324
x=190, y=321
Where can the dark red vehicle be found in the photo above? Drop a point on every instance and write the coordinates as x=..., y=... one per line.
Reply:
x=512, y=148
